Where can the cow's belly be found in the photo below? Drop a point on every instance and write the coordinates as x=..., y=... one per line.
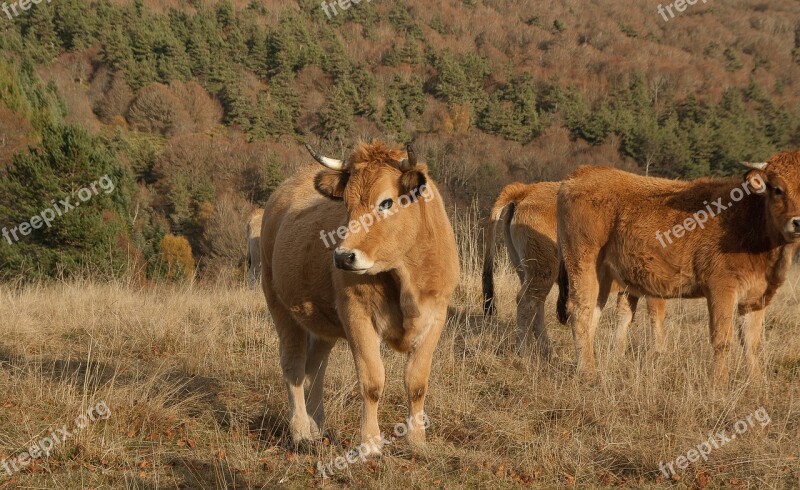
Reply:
x=645, y=273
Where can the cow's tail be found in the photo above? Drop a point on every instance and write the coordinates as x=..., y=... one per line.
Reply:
x=249, y=248
x=563, y=292
x=502, y=211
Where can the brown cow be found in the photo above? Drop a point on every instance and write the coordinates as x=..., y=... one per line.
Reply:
x=527, y=214
x=390, y=278
x=727, y=240
x=254, y=247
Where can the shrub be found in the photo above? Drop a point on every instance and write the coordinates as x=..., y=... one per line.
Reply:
x=157, y=110
x=176, y=256
x=116, y=100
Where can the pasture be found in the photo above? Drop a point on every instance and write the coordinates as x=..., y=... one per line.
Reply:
x=191, y=377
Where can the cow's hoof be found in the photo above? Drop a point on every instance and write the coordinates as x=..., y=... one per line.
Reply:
x=303, y=446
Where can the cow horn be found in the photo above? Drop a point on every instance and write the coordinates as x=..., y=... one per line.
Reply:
x=412, y=155
x=331, y=163
x=410, y=161
x=756, y=165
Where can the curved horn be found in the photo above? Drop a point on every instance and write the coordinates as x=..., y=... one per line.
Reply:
x=412, y=155
x=330, y=163
x=410, y=161
x=756, y=165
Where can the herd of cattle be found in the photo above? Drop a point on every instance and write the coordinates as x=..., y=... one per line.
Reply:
x=594, y=233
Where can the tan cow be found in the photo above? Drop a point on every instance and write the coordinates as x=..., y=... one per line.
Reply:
x=254, y=247
x=527, y=214
x=362, y=250
x=729, y=240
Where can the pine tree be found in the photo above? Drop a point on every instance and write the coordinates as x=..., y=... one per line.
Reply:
x=39, y=32
x=336, y=117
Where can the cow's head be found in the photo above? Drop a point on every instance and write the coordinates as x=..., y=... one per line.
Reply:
x=384, y=190
x=778, y=182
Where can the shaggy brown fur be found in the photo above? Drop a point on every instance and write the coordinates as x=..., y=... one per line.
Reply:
x=527, y=214
x=609, y=223
x=400, y=297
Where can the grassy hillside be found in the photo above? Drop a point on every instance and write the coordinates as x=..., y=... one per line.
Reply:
x=203, y=104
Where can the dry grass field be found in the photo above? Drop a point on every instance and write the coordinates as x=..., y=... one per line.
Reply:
x=192, y=380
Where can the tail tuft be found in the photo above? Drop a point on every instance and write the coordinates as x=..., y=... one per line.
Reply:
x=489, y=309
x=563, y=293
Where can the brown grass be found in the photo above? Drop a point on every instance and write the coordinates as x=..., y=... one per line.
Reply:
x=191, y=376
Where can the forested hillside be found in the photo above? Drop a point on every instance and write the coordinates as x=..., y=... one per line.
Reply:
x=197, y=110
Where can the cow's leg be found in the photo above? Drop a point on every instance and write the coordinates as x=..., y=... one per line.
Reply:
x=254, y=262
x=750, y=335
x=316, y=363
x=583, y=295
x=365, y=345
x=656, y=311
x=721, y=308
x=605, y=283
x=530, y=313
x=292, y=345
x=626, y=310
x=418, y=370
x=515, y=246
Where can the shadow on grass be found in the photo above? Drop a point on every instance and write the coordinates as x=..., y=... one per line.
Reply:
x=217, y=473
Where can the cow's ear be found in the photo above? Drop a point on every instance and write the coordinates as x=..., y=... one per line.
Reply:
x=756, y=180
x=331, y=184
x=411, y=183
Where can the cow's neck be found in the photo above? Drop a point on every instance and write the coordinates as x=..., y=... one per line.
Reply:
x=409, y=295
x=771, y=247
x=410, y=272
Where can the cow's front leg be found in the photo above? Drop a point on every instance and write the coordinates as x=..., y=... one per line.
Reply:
x=626, y=311
x=657, y=310
x=365, y=345
x=418, y=370
x=750, y=334
x=721, y=307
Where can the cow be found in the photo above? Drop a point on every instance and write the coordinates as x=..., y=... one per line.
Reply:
x=728, y=240
x=527, y=215
x=254, y=247
x=361, y=250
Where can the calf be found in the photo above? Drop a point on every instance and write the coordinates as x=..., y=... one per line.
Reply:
x=731, y=242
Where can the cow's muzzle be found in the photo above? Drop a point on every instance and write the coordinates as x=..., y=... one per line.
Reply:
x=793, y=228
x=344, y=259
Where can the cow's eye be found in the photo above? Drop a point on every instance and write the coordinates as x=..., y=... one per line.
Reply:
x=385, y=204
x=777, y=190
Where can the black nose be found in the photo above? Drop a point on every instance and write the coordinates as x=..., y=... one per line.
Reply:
x=344, y=259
